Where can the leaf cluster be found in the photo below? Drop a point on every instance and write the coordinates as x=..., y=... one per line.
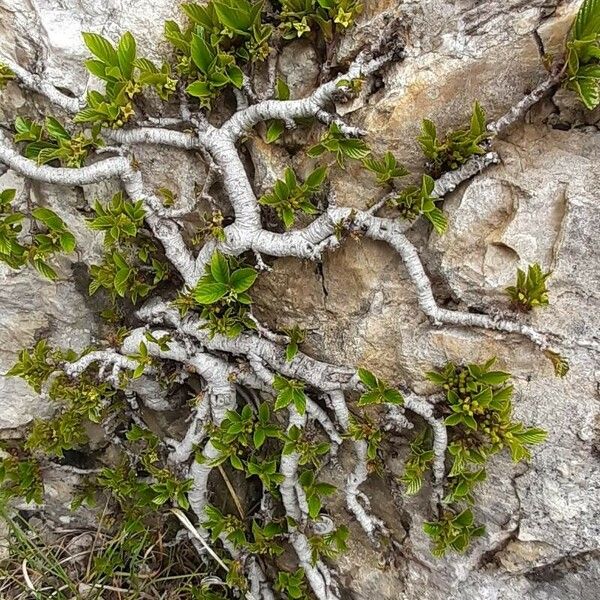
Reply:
x=240, y=437
x=452, y=532
x=142, y=496
x=415, y=201
x=296, y=336
x=315, y=491
x=20, y=478
x=367, y=430
x=222, y=36
x=261, y=540
x=289, y=391
x=125, y=76
x=378, y=391
x=50, y=142
x=132, y=266
x=309, y=451
x=478, y=417
x=583, y=54
x=36, y=364
x=119, y=219
x=47, y=236
x=480, y=406
x=530, y=290
x=222, y=292
x=290, y=197
x=386, y=169
x=341, y=146
x=419, y=462
x=6, y=75
x=79, y=401
x=457, y=147
x=292, y=584
x=329, y=545
x=299, y=18
x=211, y=227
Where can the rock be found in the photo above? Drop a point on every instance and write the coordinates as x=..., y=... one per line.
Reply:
x=33, y=308
x=50, y=32
x=299, y=67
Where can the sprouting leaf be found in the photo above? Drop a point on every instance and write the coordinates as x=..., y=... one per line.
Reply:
x=530, y=290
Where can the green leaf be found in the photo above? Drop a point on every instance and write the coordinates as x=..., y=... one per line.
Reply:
x=299, y=399
x=120, y=282
x=282, y=90
x=290, y=351
x=67, y=242
x=243, y=279
x=198, y=89
x=48, y=218
x=453, y=420
x=393, y=396
x=587, y=22
x=202, y=55
x=236, y=76
x=259, y=438
x=56, y=130
x=102, y=48
x=126, y=51
x=494, y=377
x=274, y=131
x=367, y=378
x=533, y=435
x=478, y=123
x=219, y=268
x=209, y=293
x=588, y=89
x=45, y=269
x=314, y=506
x=316, y=178
x=464, y=519
x=354, y=148
x=237, y=18
x=370, y=397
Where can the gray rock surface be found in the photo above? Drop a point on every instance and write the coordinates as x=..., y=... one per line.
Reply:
x=540, y=204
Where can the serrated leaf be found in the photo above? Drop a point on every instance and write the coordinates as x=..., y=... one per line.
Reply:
x=209, y=293
x=126, y=51
x=219, y=268
x=45, y=269
x=198, y=89
x=367, y=378
x=587, y=22
x=316, y=178
x=56, y=130
x=242, y=279
x=533, y=435
x=101, y=47
x=48, y=218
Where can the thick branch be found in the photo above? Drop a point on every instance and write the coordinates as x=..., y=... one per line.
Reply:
x=311, y=106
